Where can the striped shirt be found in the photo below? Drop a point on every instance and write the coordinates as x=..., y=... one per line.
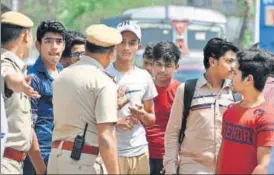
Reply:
x=202, y=140
x=269, y=91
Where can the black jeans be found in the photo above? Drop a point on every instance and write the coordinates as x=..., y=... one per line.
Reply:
x=28, y=167
x=156, y=166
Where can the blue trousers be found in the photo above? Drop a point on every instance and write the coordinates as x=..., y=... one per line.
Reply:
x=156, y=166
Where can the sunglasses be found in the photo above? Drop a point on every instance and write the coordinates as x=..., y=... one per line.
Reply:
x=77, y=54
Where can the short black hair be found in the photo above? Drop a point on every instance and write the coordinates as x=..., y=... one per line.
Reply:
x=216, y=48
x=148, y=53
x=50, y=26
x=255, y=62
x=166, y=50
x=71, y=38
x=256, y=46
x=79, y=38
x=68, y=39
x=92, y=48
x=10, y=32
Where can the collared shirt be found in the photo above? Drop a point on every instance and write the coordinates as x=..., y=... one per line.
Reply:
x=269, y=91
x=17, y=105
x=9, y=69
x=202, y=140
x=41, y=108
x=83, y=93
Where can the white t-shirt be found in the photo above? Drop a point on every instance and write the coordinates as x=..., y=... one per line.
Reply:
x=141, y=87
x=4, y=127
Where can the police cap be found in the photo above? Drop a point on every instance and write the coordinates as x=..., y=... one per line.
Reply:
x=102, y=35
x=16, y=18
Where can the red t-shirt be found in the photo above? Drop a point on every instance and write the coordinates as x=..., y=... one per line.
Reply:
x=243, y=131
x=162, y=105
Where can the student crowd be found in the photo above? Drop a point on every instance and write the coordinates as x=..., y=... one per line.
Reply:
x=78, y=110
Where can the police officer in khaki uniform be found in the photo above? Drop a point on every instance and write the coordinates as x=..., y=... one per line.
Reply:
x=16, y=40
x=85, y=98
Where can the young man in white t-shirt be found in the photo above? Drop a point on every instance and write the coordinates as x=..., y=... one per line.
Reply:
x=139, y=112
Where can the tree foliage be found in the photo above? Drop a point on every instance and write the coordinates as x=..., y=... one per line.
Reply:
x=78, y=15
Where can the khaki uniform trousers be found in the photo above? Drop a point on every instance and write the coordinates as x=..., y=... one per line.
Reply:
x=134, y=165
x=61, y=163
x=9, y=166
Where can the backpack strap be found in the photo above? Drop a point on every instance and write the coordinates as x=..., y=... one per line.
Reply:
x=188, y=95
x=237, y=96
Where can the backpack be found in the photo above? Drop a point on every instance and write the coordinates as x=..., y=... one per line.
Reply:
x=190, y=86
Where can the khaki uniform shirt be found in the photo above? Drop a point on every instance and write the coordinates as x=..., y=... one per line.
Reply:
x=83, y=93
x=17, y=105
x=202, y=141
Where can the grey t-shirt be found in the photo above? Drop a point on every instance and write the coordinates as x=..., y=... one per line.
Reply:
x=141, y=87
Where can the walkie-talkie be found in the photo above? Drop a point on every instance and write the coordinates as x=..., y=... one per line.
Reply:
x=78, y=144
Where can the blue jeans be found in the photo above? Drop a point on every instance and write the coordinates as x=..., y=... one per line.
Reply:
x=156, y=166
x=271, y=163
x=28, y=168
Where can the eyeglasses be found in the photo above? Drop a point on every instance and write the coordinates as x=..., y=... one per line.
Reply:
x=77, y=54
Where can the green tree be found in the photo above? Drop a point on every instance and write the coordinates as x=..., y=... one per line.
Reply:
x=78, y=15
x=245, y=37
